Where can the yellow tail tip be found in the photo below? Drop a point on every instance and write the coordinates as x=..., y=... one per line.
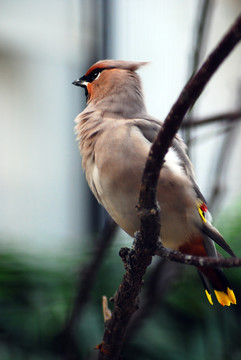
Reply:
x=226, y=298
x=232, y=296
x=209, y=296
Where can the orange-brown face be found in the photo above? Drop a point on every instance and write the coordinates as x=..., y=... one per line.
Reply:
x=103, y=75
x=88, y=81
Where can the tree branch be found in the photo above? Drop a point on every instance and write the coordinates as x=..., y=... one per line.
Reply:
x=139, y=257
x=88, y=274
x=136, y=261
x=203, y=15
x=229, y=116
x=65, y=341
x=179, y=257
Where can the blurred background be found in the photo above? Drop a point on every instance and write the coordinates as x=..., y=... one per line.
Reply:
x=49, y=221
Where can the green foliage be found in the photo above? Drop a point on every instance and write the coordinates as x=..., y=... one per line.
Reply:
x=187, y=327
x=33, y=304
x=36, y=295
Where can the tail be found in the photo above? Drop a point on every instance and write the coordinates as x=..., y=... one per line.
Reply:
x=203, y=246
x=224, y=294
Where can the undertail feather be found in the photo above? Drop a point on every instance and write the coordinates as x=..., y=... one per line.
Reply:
x=224, y=294
x=214, y=276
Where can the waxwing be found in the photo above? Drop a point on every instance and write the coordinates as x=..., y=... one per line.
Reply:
x=115, y=133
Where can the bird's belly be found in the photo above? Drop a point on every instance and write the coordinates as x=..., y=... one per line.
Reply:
x=176, y=229
x=178, y=209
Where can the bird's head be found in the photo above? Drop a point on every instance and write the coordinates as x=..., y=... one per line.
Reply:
x=113, y=82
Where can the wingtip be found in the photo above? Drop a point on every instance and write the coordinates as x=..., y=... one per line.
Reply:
x=213, y=233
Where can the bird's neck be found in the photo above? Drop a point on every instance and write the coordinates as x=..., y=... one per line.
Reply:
x=88, y=126
x=122, y=102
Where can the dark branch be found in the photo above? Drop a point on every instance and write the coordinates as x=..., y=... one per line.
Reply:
x=179, y=257
x=139, y=257
x=88, y=274
x=65, y=340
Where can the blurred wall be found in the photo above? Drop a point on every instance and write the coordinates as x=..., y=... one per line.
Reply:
x=44, y=46
x=41, y=178
x=222, y=94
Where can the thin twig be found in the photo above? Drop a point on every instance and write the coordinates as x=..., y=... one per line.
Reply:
x=105, y=309
x=229, y=116
x=140, y=256
x=222, y=166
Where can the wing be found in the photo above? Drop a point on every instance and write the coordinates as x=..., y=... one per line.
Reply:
x=149, y=128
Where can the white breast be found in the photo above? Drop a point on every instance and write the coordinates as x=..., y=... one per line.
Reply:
x=173, y=162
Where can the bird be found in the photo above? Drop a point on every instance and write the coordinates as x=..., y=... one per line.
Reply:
x=115, y=133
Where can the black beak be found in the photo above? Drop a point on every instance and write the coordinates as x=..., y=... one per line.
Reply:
x=80, y=82
x=77, y=83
